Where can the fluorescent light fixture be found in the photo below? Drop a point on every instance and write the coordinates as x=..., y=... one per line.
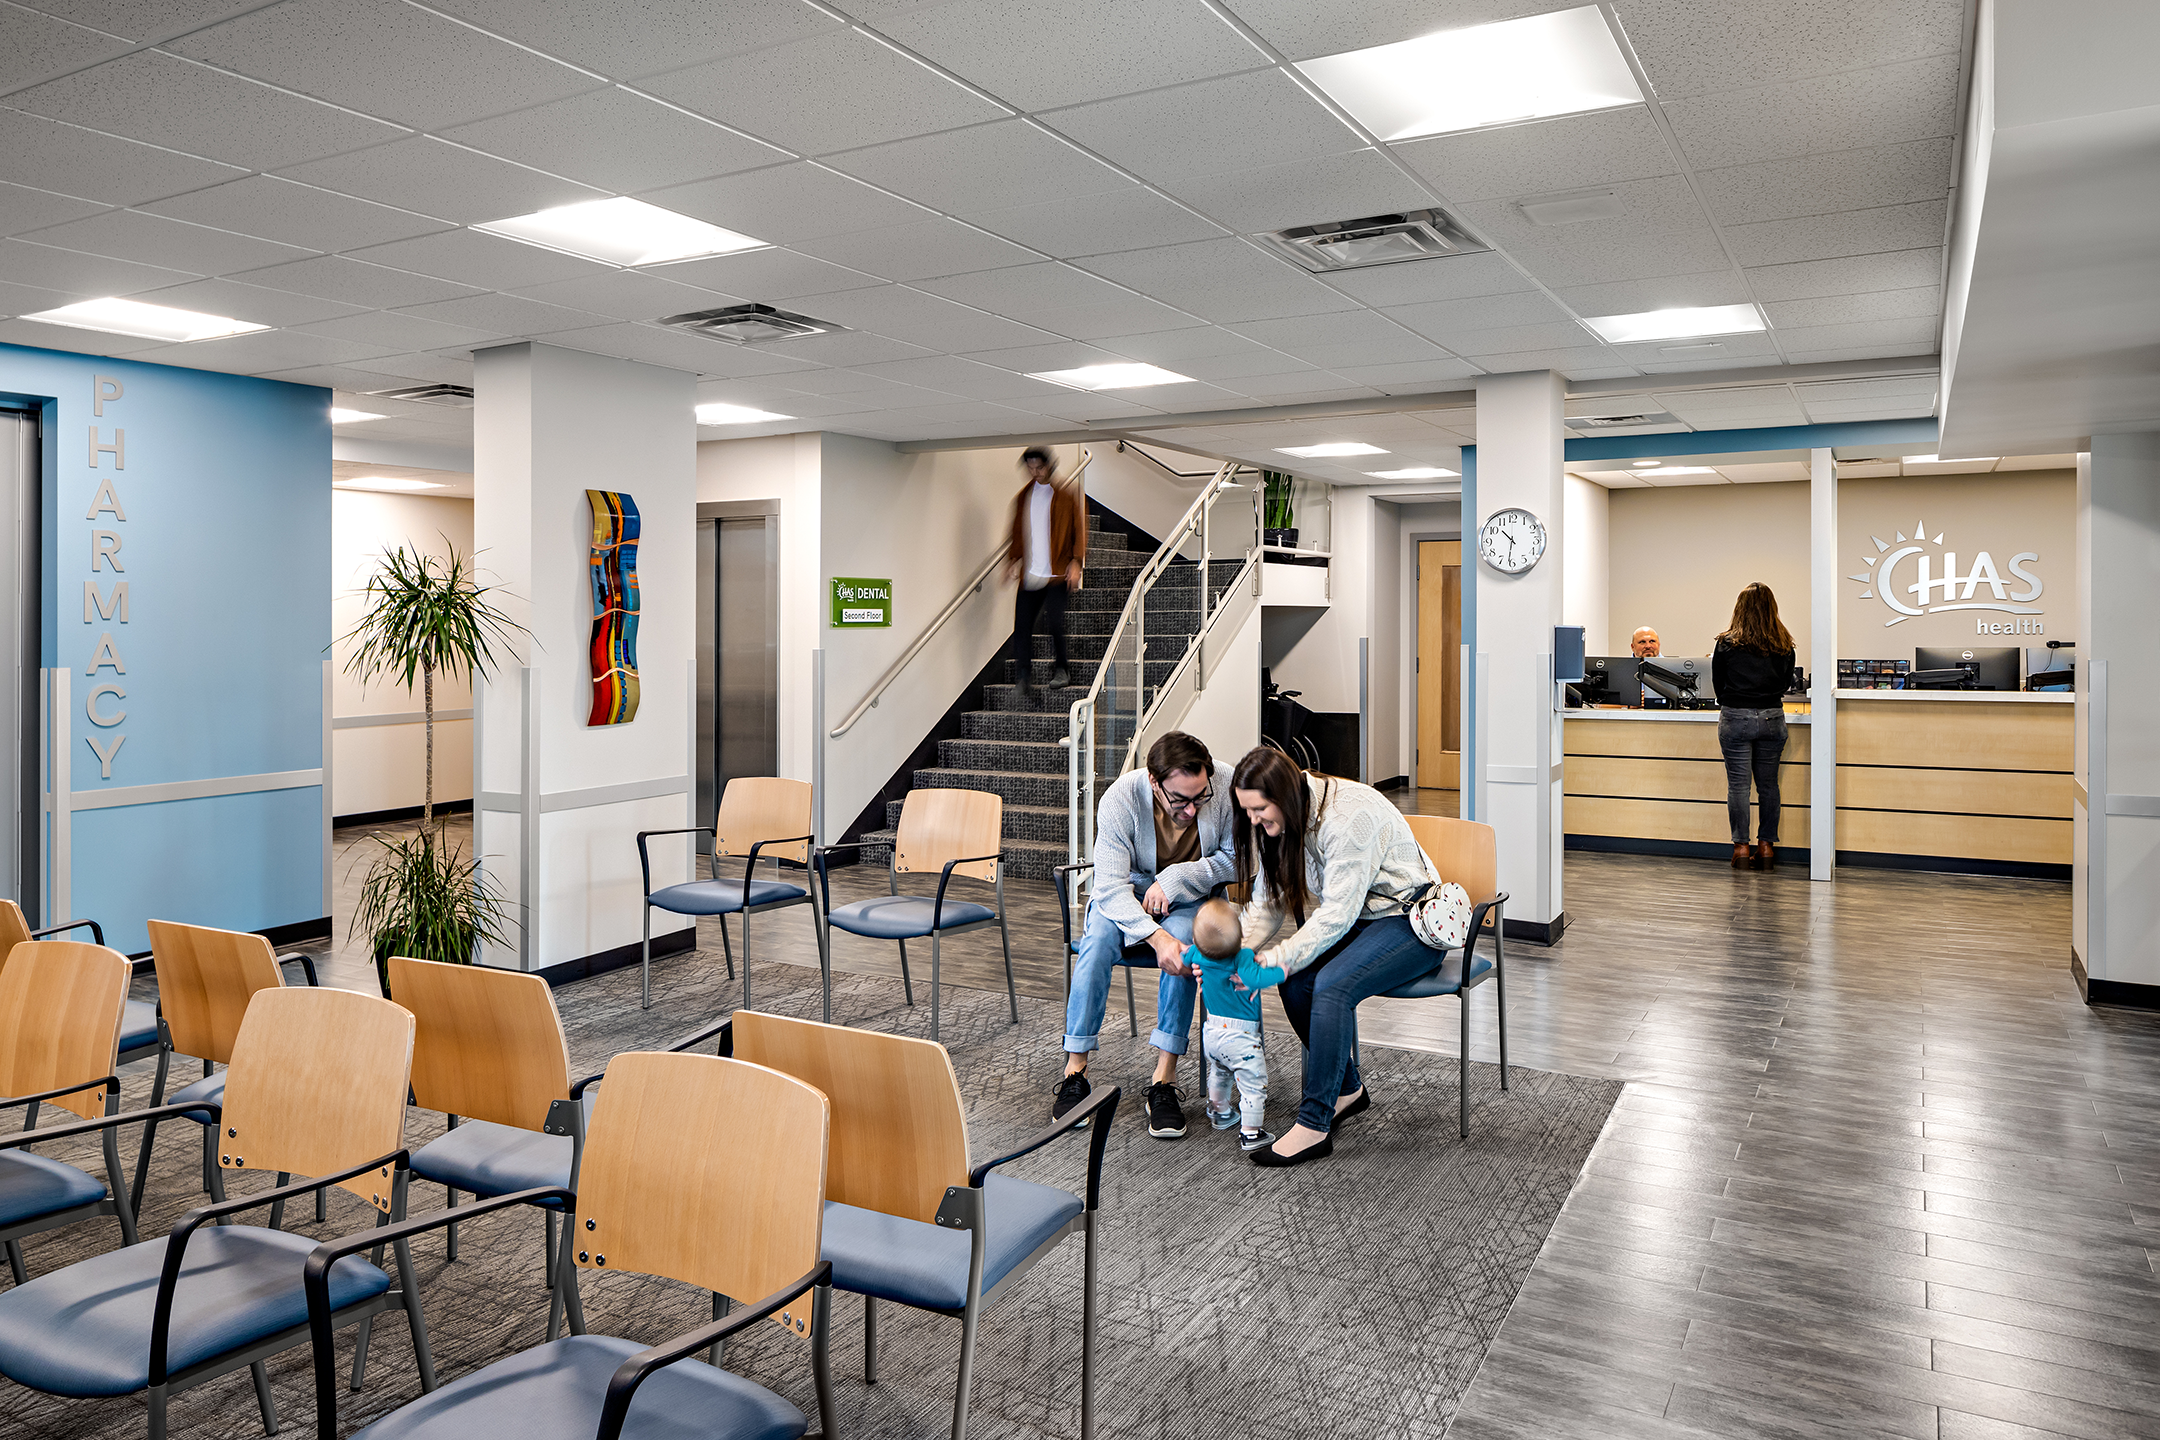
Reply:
x=1322, y=452
x=1646, y=464
x=1415, y=472
x=621, y=231
x=1679, y=470
x=1528, y=69
x=1129, y=376
x=1685, y=322
x=145, y=321
x=385, y=482
x=1954, y=460
x=717, y=414
x=339, y=415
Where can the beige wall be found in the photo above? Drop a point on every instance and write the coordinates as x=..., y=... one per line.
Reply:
x=1680, y=554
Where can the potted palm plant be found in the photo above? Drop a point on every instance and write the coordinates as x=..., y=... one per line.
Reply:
x=1280, y=520
x=423, y=896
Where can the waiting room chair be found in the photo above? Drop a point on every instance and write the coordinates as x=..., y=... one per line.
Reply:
x=316, y=1087
x=1465, y=852
x=489, y=1053
x=705, y=1171
x=141, y=1034
x=61, y=1004
x=756, y=812
x=953, y=832
x=205, y=979
x=898, y=1187
x=1130, y=957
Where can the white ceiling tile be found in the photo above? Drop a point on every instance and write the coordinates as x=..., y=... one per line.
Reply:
x=1304, y=192
x=40, y=45
x=1132, y=217
x=153, y=239
x=1178, y=349
x=295, y=214
x=383, y=57
x=1897, y=387
x=1506, y=339
x=1439, y=319
x=436, y=178
x=1664, y=233
x=50, y=268
x=1817, y=184
x=767, y=275
x=1398, y=348
x=617, y=141
x=348, y=380
x=65, y=337
x=1220, y=280
x=1081, y=407
x=256, y=304
x=1103, y=47
x=963, y=377
x=833, y=91
x=165, y=100
x=1570, y=153
x=907, y=313
x=1303, y=30
x=1209, y=127
x=627, y=295
x=1915, y=100
x=32, y=299
x=1575, y=361
x=23, y=209
x=1060, y=300
x=1921, y=301
x=1417, y=282
x=1702, y=354
x=1850, y=275
x=1853, y=232
x=1689, y=47
x=922, y=250
x=333, y=277
x=478, y=260
x=68, y=159
x=505, y=315
x=1722, y=286
x=1409, y=378
x=1915, y=334
x=665, y=34
x=451, y=369
x=263, y=350
x=1234, y=370
x=678, y=351
x=852, y=347
x=981, y=168
x=1773, y=407
x=139, y=19
x=783, y=204
x=1682, y=366
x=396, y=332
x=826, y=381
x=1052, y=355
x=2036, y=462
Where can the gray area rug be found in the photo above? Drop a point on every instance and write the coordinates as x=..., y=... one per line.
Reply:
x=1353, y=1297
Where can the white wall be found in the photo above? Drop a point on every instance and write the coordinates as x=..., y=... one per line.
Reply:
x=383, y=767
x=1226, y=715
x=1586, y=589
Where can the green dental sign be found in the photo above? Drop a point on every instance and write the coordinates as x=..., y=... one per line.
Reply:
x=859, y=604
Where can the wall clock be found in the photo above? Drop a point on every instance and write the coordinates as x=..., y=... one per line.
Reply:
x=1511, y=541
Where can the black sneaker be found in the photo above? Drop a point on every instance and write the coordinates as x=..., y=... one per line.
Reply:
x=1253, y=1140
x=1060, y=678
x=1165, y=1116
x=1070, y=1092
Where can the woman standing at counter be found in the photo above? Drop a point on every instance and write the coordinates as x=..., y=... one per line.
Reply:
x=1750, y=668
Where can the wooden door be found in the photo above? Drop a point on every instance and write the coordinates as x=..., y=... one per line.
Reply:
x=1439, y=665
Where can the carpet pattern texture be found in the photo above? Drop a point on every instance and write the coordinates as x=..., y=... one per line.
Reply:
x=1347, y=1298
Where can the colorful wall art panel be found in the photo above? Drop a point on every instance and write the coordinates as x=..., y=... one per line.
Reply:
x=615, y=608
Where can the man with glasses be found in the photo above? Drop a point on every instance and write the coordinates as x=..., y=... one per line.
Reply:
x=1162, y=845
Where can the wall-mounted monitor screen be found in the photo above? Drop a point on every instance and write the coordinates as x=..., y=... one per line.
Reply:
x=1994, y=667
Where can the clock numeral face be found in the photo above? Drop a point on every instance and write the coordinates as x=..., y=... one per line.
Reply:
x=1512, y=541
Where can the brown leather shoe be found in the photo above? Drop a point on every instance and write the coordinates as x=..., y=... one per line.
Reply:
x=1742, y=857
x=1765, y=856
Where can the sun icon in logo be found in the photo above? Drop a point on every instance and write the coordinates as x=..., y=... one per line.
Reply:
x=1933, y=590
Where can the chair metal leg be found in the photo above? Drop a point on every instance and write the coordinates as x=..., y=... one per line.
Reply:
x=745, y=954
x=728, y=951
x=934, y=963
x=322, y=1208
x=1499, y=981
x=824, y=960
x=15, y=1263
x=821, y=1360
x=157, y=1098
x=1087, y=1327
x=157, y=1412
x=402, y=1249
x=967, y=1373
x=1012, y=996
x=645, y=962
x=566, y=1273
x=869, y=1340
x=277, y=1207
x=209, y=1160
x=263, y=1399
x=1132, y=1006
x=719, y=1312
x=1463, y=1064
x=906, y=984
x=547, y=1248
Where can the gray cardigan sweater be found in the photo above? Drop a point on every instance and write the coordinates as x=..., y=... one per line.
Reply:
x=1125, y=847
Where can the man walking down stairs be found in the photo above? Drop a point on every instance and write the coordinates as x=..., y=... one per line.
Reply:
x=1045, y=553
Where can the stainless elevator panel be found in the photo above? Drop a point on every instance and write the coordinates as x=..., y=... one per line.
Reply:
x=20, y=489
x=738, y=653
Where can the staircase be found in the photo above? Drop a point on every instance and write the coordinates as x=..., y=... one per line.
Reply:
x=1011, y=747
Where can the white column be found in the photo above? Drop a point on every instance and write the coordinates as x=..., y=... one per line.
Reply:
x=1822, y=664
x=2116, y=815
x=1519, y=459
x=560, y=802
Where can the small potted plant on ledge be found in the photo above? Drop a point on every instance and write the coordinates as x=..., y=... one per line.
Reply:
x=1280, y=521
x=423, y=896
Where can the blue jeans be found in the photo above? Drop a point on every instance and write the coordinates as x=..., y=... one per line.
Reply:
x=1100, y=948
x=1322, y=999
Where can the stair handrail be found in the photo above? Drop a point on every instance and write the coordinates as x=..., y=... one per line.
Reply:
x=972, y=586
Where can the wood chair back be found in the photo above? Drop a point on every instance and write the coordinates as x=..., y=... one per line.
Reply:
x=61, y=1003
x=1464, y=851
x=14, y=929
x=706, y=1171
x=899, y=1137
x=205, y=979
x=763, y=807
x=317, y=1085
x=939, y=825
x=488, y=1045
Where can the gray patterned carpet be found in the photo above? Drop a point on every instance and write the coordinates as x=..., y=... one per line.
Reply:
x=1354, y=1297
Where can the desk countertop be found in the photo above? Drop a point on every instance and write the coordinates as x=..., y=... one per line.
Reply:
x=1966, y=697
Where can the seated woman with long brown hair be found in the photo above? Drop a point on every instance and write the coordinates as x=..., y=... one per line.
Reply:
x=1751, y=668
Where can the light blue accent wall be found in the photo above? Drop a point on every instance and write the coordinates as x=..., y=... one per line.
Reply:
x=226, y=549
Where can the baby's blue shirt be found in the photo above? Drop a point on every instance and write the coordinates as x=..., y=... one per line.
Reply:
x=1226, y=999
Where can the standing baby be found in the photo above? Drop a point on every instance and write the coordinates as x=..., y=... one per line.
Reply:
x=1231, y=1040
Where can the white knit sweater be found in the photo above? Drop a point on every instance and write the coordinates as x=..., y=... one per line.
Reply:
x=1361, y=863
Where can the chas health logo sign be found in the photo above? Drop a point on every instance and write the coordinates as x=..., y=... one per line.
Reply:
x=1920, y=576
x=859, y=602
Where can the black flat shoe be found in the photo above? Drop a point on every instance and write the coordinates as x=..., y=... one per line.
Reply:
x=1267, y=1159
x=1356, y=1107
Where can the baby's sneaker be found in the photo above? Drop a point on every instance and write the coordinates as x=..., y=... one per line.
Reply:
x=1249, y=1140
x=1221, y=1119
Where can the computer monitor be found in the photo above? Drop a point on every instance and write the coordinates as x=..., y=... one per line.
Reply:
x=2050, y=669
x=1618, y=672
x=1995, y=667
x=1695, y=665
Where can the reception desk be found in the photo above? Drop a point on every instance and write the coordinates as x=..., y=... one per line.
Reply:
x=1926, y=780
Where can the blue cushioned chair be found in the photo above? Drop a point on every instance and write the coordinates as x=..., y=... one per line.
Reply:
x=1130, y=957
x=317, y=1085
x=1466, y=853
x=60, y=1015
x=954, y=832
x=906, y=1218
x=756, y=812
x=732, y=1205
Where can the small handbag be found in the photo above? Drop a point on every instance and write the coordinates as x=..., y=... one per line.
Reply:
x=1442, y=918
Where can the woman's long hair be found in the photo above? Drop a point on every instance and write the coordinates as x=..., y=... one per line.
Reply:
x=1755, y=623
x=1278, y=860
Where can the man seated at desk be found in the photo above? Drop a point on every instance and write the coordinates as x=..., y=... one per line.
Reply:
x=1645, y=644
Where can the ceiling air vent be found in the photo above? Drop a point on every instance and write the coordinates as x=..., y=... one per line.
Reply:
x=459, y=396
x=1374, y=240
x=749, y=324
x=1622, y=422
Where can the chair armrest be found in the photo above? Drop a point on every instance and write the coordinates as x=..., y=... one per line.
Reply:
x=751, y=868
x=937, y=905
x=110, y=1082
x=106, y=1122
x=622, y=1386
x=306, y=964
x=97, y=931
x=1064, y=904
x=1096, y=1111
x=645, y=862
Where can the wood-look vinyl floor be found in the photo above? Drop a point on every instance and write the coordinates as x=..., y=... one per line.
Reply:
x=1878, y=1170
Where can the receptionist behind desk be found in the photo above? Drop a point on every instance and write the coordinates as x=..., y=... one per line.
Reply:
x=1644, y=643
x=1749, y=669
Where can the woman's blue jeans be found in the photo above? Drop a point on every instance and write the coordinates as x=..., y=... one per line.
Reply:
x=1322, y=999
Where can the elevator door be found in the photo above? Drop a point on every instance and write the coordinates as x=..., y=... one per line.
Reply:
x=738, y=654
x=21, y=837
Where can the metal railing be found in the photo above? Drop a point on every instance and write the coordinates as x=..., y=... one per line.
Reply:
x=1104, y=726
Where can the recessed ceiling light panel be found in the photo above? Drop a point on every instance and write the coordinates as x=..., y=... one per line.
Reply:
x=1414, y=472
x=1685, y=322
x=1129, y=376
x=1333, y=448
x=718, y=414
x=748, y=324
x=622, y=232
x=1528, y=69
x=144, y=321
x=339, y=415
x=385, y=482
x=1373, y=240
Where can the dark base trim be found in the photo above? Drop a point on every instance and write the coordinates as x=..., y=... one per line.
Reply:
x=1393, y=782
x=618, y=958
x=297, y=933
x=1788, y=855
x=1537, y=932
x=2113, y=992
x=1797, y=857
x=407, y=812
